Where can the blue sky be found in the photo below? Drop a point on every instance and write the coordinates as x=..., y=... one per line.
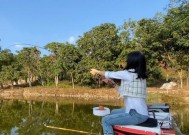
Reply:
x=40, y=22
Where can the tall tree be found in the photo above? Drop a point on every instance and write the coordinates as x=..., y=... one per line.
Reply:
x=29, y=59
x=128, y=42
x=100, y=48
x=54, y=48
x=69, y=57
x=11, y=73
x=146, y=38
x=6, y=59
x=46, y=69
x=176, y=42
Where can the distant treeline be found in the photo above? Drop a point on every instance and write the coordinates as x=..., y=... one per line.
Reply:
x=164, y=40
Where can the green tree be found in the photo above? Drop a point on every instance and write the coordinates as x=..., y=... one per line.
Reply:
x=69, y=57
x=146, y=40
x=54, y=48
x=46, y=69
x=6, y=59
x=128, y=43
x=100, y=48
x=29, y=58
x=11, y=73
x=176, y=41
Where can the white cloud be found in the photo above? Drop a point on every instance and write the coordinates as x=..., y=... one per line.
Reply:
x=71, y=40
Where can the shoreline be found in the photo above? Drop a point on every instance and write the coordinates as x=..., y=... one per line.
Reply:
x=83, y=93
x=60, y=92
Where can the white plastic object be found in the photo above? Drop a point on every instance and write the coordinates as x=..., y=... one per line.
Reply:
x=98, y=112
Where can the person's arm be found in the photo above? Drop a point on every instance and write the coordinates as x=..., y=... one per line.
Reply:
x=122, y=75
x=97, y=72
x=111, y=83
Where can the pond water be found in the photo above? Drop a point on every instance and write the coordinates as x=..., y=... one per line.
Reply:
x=19, y=117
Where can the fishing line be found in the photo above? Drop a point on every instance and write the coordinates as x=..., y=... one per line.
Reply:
x=32, y=45
x=25, y=44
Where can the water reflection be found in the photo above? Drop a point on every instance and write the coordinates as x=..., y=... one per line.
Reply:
x=182, y=117
x=29, y=117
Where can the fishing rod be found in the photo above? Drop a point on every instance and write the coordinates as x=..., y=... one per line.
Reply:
x=71, y=130
x=32, y=45
x=25, y=44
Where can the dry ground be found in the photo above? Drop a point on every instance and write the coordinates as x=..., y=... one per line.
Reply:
x=81, y=92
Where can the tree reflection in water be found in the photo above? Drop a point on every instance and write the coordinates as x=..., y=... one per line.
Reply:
x=182, y=117
x=29, y=117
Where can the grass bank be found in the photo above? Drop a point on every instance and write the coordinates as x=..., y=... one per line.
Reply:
x=155, y=95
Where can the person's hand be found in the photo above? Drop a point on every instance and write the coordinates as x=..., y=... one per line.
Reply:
x=93, y=71
x=109, y=82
